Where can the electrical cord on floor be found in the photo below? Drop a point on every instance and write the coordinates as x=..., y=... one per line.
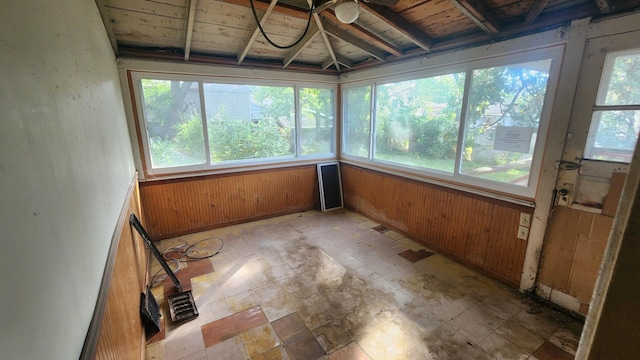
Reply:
x=182, y=254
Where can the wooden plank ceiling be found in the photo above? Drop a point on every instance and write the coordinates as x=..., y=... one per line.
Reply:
x=226, y=31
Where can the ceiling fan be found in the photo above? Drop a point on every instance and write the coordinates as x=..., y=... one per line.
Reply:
x=347, y=11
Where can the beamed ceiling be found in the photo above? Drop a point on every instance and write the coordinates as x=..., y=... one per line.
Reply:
x=226, y=31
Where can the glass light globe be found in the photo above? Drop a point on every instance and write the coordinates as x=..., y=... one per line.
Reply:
x=347, y=12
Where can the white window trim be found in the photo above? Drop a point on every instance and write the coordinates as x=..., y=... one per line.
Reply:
x=456, y=179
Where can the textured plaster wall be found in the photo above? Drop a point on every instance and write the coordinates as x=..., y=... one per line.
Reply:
x=65, y=167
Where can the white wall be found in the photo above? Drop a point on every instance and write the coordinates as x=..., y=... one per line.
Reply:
x=65, y=168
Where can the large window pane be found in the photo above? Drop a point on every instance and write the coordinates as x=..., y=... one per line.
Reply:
x=249, y=122
x=317, y=119
x=173, y=122
x=505, y=106
x=417, y=121
x=357, y=121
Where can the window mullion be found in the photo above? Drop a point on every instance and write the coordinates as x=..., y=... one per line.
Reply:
x=205, y=130
x=297, y=120
x=372, y=121
x=462, y=129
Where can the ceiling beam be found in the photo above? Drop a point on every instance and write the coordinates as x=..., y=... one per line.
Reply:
x=400, y=24
x=331, y=29
x=478, y=12
x=363, y=34
x=341, y=59
x=308, y=37
x=107, y=25
x=325, y=38
x=189, y=31
x=535, y=11
x=280, y=8
x=345, y=62
x=255, y=30
x=326, y=63
x=518, y=29
x=322, y=4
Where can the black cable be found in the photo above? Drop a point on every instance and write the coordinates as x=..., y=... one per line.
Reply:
x=177, y=252
x=178, y=255
x=192, y=258
x=255, y=16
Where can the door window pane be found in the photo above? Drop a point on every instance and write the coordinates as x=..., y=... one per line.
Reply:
x=173, y=122
x=616, y=117
x=620, y=79
x=417, y=121
x=357, y=121
x=614, y=136
x=249, y=122
x=317, y=119
x=505, y=106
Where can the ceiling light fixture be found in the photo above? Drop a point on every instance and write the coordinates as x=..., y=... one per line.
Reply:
x=347, y=11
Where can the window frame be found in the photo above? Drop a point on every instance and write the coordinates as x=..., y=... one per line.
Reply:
x=456, y=179
x=598, y=105
x=232, y=165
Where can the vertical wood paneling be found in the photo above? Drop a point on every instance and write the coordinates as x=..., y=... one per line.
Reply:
x=188, y=205
x=121, y=334
x=478, y=231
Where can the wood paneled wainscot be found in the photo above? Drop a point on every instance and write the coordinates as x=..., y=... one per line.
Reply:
x=181, y=206
x=475, y=230
x=116, y=330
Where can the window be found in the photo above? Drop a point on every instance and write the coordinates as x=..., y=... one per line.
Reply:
x=174, y=129
x=417, y=121
x=615, y=121
x=503, y=118
x=357, y=121
x=194, y=123
x=317, y=117
x=481, y=123
x=249, y=122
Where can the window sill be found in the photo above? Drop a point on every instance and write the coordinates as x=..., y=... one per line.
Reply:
x=455, y=186
x=237, y=169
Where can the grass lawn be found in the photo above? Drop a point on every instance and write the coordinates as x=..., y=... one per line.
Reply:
x=447, y=165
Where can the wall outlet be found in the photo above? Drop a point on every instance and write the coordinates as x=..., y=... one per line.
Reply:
x=523, y=232
x=525, y=219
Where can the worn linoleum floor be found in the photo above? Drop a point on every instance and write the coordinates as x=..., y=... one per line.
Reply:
x=332, y=285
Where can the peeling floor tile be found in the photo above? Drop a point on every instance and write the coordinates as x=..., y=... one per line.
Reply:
x=353, y=298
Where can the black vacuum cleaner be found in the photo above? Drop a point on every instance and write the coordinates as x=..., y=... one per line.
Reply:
x=182, y=306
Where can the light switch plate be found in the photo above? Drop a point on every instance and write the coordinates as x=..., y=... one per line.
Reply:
x=525, y=219
x=523, y=232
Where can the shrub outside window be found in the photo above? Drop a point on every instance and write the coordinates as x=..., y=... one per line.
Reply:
x=481, y=123
x=193, y=124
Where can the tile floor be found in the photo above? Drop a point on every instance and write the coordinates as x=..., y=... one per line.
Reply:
x=337, y=285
